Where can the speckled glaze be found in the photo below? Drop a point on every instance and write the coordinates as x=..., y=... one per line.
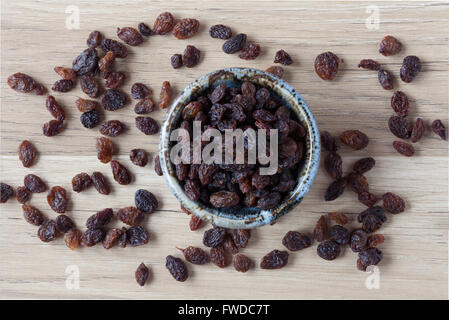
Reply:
x=247, y=217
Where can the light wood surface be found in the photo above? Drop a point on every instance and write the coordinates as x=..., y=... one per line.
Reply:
x=34, y=39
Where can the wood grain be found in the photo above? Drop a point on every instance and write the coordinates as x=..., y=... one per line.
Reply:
x=35, y=39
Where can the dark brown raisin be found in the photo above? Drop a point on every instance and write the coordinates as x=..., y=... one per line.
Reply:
x=186, y=28
x=328, y=141
x=389, y=46
x=123, y=238
x=62, y=85
x=157, y=166
x=192, y=189
x=369, y=64
x=64, y=223
x=81, y=182
x=86, y=62
x=112, y=237
x=91, y=237
x=276, y=71
x=250, y=52
x=418, y=130
x=119, y=49
x=367, y=198
x=194, y=255
x=229, y=245
x=234, y=44
x=363, y=165
x=195, y=222
x=220, y=31
x=90, y=119
x=145, y=201
x=115, y=80
x=142, y=273
x=295, y=241
x=355, y=139
x=274, y=260
x=399, y=103
x=139, y=91
x=283, y=57
x=105, y=149
x=328, y=250
x=139, y=157
x=54, y=108
x=52, y=128
x=65, y=73
x=358, y=182
x=375, y=240
x=320, y=233
x=385, y=79
x=84, y=105
x=241, y=237
x=121, y=174
x=94, y=39
x=47, y=231
x=358, y=241
x=27, y=153
x=241, y=263
x=215, y=96
x=191, y=56
x=214, y=237
x=372, y=219
x=22, y=195
x=131, y=216
x=90, y=86
x=145, y=30
x=338, y=217
x=164, y=23
x=411, y=66
x=112, y=128
x=130, y=36
x=176, y=61
x=147, y=125
x=260, y=182
x=190, y=111
x=100, y=219
x=335, y=189
x=34, y=183
x=326, y=65
x=393, y=203
x=113, y=99
x=439, y=129
x=333, y=165
x=72, y=238
x=100, y=183
x=404, y=148
x=165, y=95
x=177, y=268
x=370, y=257
x=145, y=106
x=269, y=201
x=57, y=199
x=21, y=82
x=224, y=199
x=340, y=235
x=32, y=215
x=218, y=257
x=399, y=127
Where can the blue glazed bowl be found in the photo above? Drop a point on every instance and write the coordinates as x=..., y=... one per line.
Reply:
x=246, y=217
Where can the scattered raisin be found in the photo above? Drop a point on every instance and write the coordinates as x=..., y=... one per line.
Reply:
x=142, y=273
x=358, y=241
x=112, y=128
x=115, y=80
x=369, y=64
x=113, y=99
x=147, y=125
x=100, y=183
x=121, y=174
x=81, y=182
x=130, y=36
x=340, y=234
x=367, y=198
x=157, y=166
x=164, y=23
x=21, y=82
x=139, y=157
x=145, y=201
x=399, y=103
x=320, y=233
x=404, y=148
x=335, y=189
x=165, y=95
x=283, y=57
x=194, y=255
x=214, y=237
x=358, y=182
x=34, y=183
x=220, y=31
x=62, y=85
x=234, y=44
x=385, y=79
x=274, y=260
x=32, y=215
x=295, y=241
x=144, y=106
x=191, y=56
x=47, y=231
x=370, y=257
x=393, y=203
x=177, y=268
x=328, y=250
x=241, y=263
x=241, y=237
x=90, y=119
x=27, y=153
x=195, y=222
x=100, y=219
x=112, y=237
x=52, y=128
x=276, y=71
x=333, y=165
x=119, y=49
x=72, y=238
x=86, y=62
x=186, y=28
x=64, y=223
x=399, y=127
x=105, y=149
x=363, y=165
x=139, y=91
x=176, y=61
x=372, y=219
x=411, y=66
x=250, y=52
x=57, y=199
x=328, y=141
x=131, y=216
x=65, y=73
x=218, y=257
x=338, y=217
x=90, y=86
x=85, y=105
x=418, y=130
x=326, y=65
x=94, y=39
x=91, y=237
x=439, y=129
x=145, y=30
x=22, y=195
x=355, y=139
x=389, y=46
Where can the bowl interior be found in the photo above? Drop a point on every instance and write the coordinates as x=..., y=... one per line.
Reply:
x=244, y=217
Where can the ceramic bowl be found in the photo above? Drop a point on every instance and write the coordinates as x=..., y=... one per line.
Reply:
x=246, y=217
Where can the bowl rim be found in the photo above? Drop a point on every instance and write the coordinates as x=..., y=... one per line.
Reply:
x=216, y=216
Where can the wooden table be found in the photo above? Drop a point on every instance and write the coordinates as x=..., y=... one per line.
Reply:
x=415, y=265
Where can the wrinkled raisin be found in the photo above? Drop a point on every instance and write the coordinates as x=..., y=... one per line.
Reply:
x=27, y=153
x=194, y=255
x=130, y=36
x=274, y=260
x=112, y=237
x=32, y=215
x=399, y=127
x=84, y=105
x=57, y=199
x=81, y=182
x=241, y=263
x=358, y=241
x=439, y=129
x=113, y=99
x=186, y=28
x=112, y=128
x=283, y=57
x=333, y=165
x=86, y=62
x=404, y=148
x=64, y=223
x=340, y=234
x=358, y=182
x=130, y=215
x=54, y=108
x=338, y=217
x=139, y=157
x=34, y=183
x=355, y=139
x=393, y=203
x=142, y=273
x=372, y=218
x=145, y=201
x=399, y=103
x=100, y=183
x=177, y=268
x=335, y=189
x=250, y=52
x=191, y=56
x=276, y=71
x=269, y=201
x=176, y=61
x=389, y=46
x=72, y=238
x=224, y=199
x=105, y=149
x=320, y=233
x=90, y=119
x=385, y=79
x=90, y=86
x=144, y=106
x=145, y=30
x=195, y=222
x=411, y=66
x=326, y=65
x=328, y=141
x=100, y=219
x=370, y=257
x=363, y=165
x=418, y=130
x=214, y=237
x=22, y=195
x=165, y=95
x=62, y=85
x=234, y=44
x=65, y=73
x=164, y=23
x=22, y=82
x=369, y=64
x=241, y=237
x=328, y=250
x=157, y=166
x=121, y=174
x=47, y=231
x=192, y=189
x=115, y=80
x=119, y=49
x=220, y=31
x=229, y=245
x=94, y=39
x=218, y=257
x=52, y=128
x=91, y=237
x=367, y=198
x=295, y=241
x=139, y=91
x=147, y=125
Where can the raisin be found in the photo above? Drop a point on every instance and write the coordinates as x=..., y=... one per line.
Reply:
x=64, y=223
x=139, y=91
x=165, y=95
x=90, y=86
x=113, y=99
x=145, y=30
x=81, y=182
x=335, y=189
x=147, y=125
x=295, y=241
x=157, y=166
x=112, y=237
x=90, y=119
x=192, y=189
x=215, y=96
x=439, y=129
x=121, y=174
x=400, y=104
x=115, y=80
x=218, y=257
x=191, y=56
x=367, y=198
x=21, y=82
x=139, y=157
x=142, y=273
x=195, y=223
x=57, y=199
x=320, y=233
x=214, y=237
x=130, y=36
x=338, y=217
x=363, y=165
x=54, y=108
x=333, y=165
x=328, y=250
x=263, y=115
x=269, y=201
x=418, y=130
x=145, y=106
x=27, y=153
x=85, y=105
x=194, y=255
x=229, y=245
x=105, y=149
x=355, y=139
x=241, y=237
x=34, y=184
x=389, y=46
x=91, y=237
x=52, y=128
x=100, y=219
x=358, y=182
x=340, y=235
x=112, y=128
x=393, y=203
x=234, y=44
x=385, y=79
x=176, y=61
x=72, y=238
x=328, y=141
x=190, y=111
x=177, y=268
x=250, y=52
x=186, y=28
x=145, y=201
x=372, y=219
x=375, y=240
x=411, y=66
x=358, y=241
x=94, y=39
x=86, y=62
x=65, y=73
x=100, y=183
x=47, y=231
x=62, y=85
x=276, y=71
x=119, y=49
x=224, y=199
x=123, y=238
x=248, y=89
x=283, y=57
x=220, y=31
x=260, y=182
x=22, y=195
x=241, y=263
x=399, y=127
x=164, y=23
x=369, y=64
x=403, y=148
x=274, y=260
x=370, y=257
x=32, y=215
x=182, y=170
x=326, y=65
x=131, y=216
